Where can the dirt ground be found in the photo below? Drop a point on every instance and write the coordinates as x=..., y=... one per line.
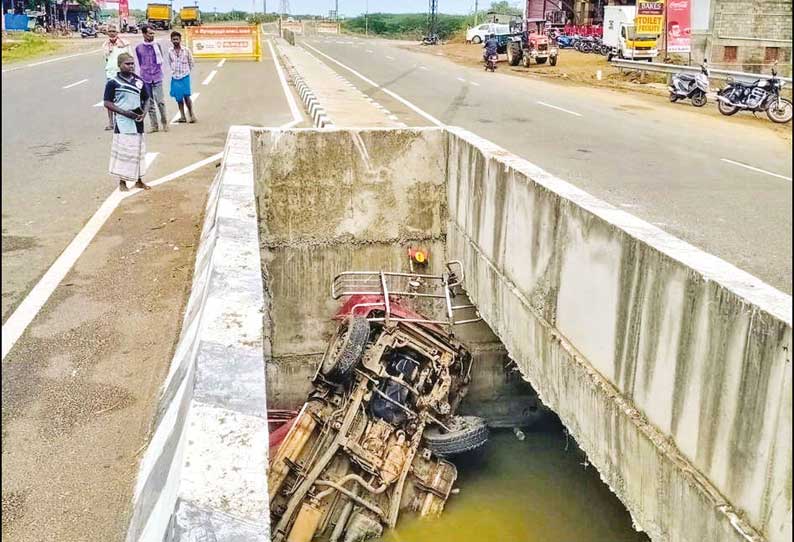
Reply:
x=81, y=386
x=575, y=68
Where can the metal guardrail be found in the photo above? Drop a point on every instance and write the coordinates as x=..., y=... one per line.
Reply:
x=677, y=68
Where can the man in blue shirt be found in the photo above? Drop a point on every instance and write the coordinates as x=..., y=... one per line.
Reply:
x=491, y=47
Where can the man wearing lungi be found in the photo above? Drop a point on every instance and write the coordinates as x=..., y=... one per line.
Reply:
x=125, y=95
x=181, y=61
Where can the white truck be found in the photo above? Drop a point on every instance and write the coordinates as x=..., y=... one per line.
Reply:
x=621, y=36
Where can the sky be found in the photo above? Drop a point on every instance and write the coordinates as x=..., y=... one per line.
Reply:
x=347, y=8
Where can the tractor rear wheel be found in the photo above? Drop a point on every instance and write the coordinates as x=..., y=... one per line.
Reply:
x=513, y=53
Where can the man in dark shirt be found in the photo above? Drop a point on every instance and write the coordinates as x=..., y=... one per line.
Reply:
x=125, y=95
x=491, y=47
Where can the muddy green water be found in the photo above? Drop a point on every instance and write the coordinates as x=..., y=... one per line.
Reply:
x=526, y=491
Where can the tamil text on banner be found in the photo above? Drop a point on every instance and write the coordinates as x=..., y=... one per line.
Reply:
x=678, y=26
x=650, y=17
x=225, y=41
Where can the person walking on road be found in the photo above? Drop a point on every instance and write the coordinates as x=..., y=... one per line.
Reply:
x=112, y=48
x=180, y=59
x=150, y=59
x=125, y=95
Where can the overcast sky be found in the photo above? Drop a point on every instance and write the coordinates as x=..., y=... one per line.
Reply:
x=349, y=8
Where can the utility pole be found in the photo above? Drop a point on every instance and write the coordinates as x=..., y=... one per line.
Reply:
x=476, y=10
x=366, y=19
x=336, y=10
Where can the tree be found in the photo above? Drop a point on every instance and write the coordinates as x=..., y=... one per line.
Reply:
x=505, y=7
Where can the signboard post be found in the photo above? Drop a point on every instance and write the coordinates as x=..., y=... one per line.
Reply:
x=241, y=42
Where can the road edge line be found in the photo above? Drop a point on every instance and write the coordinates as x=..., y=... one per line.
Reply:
x=293, y=106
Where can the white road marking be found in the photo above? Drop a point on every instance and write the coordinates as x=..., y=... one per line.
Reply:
x=24, y=314
x=756, y=169
x=475, y=84
x=221, y=63
x=293, y=107
x=461, y=79
x=370, y=51
x=210, y=77
x=56, y=59
x=424, y=68
x=193, y=98
x=439, y=54
x=389, y=58
x=372, y=83
x=99, y=104
x=75, y=84
x=574, y=113
x=149, y=159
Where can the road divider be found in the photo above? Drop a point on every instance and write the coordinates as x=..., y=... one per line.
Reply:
x=293, y=105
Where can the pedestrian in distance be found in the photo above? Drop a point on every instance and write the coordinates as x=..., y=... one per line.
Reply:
x=114, y=46
x=180, y=59
x=125, y=95
x=150, y=60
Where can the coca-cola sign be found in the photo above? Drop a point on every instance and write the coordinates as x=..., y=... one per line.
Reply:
x=678, y=29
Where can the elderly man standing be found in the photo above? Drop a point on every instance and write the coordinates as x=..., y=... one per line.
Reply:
x=114, y=46
x=150, y=59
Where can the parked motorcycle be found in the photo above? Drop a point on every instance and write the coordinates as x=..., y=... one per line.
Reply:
x=565, y=42
x=88, y=31
x=490, y=63
x=757, y=96
x=691, y=87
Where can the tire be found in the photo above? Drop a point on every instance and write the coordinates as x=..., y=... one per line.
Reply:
x=476, y=40
x=467, y=433
x=780, y=115
x=699, y=99
x=726, y=109
x=553, y=61
x=525, y=60
x=347, y=349
x=513, y=54
x=541, y=60
x=673, y=97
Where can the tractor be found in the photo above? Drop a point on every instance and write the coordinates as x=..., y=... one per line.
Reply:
x=529, y=41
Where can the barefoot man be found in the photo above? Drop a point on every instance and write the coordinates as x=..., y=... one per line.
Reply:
x=181, y=61
x=125, y=96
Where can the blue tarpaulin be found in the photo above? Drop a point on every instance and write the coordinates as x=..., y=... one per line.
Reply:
x=16, y=22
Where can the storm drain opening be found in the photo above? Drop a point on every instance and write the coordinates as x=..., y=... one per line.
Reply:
x=396, y=414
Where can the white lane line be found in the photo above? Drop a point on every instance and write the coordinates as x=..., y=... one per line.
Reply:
x=424, y=68
x=149, y=159
x=461, y=79
x=193, y=98
x=99, y=104
x=475, y=84
x=389, y=57
x=24, y=314
x=80, y=82
x=756, y=169
x=370, y=51
x=221, y=63
x=210, y=77
x=56, y=59
x=372, y=83
x=293, y=107
x=574, y=113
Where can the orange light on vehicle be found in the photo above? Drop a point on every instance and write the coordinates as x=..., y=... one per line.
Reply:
x=418, y=255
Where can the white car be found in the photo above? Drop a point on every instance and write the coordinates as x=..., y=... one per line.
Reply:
x=477, y=34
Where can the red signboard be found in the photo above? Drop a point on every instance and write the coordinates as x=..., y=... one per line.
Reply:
x=124, y=10
x=679, y=29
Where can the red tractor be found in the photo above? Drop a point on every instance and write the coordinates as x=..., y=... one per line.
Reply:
x=529, y=42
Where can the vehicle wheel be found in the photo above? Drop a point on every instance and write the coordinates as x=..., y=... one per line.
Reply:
x=476, y=39
x=541, y=60
x=609, y=57
x=525, y=61
x=514, y=54
x=467, y=433
x=553, y=61
x=699, y=99
x=673, y=97
x=347, y=350
x=779, y=114
x=727, y=109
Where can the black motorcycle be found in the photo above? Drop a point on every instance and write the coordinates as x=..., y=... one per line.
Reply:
x=761, y=95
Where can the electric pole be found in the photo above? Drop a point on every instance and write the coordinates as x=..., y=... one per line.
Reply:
x=476, y=8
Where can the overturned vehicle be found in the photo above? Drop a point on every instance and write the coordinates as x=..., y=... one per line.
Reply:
x=373, y=438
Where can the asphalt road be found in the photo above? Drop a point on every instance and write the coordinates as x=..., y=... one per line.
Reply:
x=55, y=151
x=666, y=164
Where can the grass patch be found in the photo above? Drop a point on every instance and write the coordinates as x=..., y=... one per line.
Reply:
x=27, y=46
